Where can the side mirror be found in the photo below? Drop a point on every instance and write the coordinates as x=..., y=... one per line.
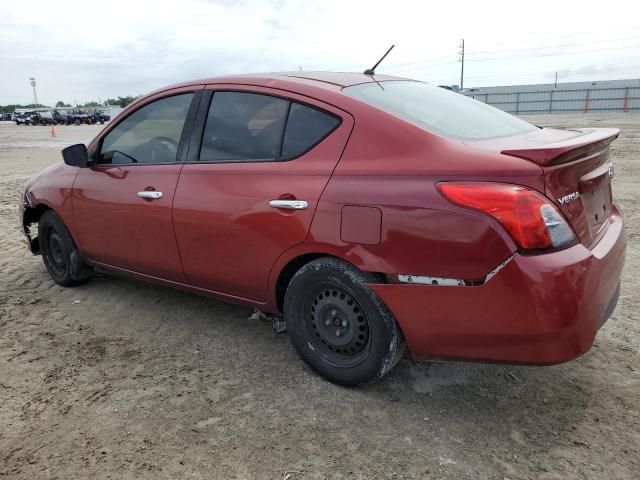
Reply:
x=76, y=155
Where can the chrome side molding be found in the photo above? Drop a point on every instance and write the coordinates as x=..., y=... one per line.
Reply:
x=422, y=280
x=452, y=282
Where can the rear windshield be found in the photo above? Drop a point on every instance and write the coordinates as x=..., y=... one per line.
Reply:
x=439, y=110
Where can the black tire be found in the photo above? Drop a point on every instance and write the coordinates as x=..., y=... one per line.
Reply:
x=76, y=122
x=338, y=325
x=61, y=257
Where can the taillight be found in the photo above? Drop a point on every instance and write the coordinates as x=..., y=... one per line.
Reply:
x=529, y=217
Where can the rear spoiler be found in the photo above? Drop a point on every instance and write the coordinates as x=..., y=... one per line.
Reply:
x=590, y=141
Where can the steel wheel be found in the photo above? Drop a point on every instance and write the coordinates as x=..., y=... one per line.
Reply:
x=59, y=253
x=336, y=325
x=55, y=256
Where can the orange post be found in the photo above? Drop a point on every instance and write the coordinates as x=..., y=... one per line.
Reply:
x=53, y=130
x=586, y=102
x=626, y=100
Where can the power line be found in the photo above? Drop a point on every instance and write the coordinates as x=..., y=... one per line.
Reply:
x=488, y=78
x=422, y=68
x=625, y=67
x=561, y=45
x=428, y=62
x=553, y=54
x=392, y=65
x=525, y=57
x=483, y=52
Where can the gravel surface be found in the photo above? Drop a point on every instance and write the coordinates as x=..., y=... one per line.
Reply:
x=122, y=379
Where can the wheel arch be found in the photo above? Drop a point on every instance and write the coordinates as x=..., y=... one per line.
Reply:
x=31, y=215
x=289, y=263
x=287, y=272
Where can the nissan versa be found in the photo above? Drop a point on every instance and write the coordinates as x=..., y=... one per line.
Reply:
x=371, y=211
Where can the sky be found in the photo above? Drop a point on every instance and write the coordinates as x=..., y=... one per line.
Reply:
x=80, y=51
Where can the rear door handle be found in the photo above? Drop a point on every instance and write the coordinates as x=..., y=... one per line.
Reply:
x=152, y=194
x=289, y=204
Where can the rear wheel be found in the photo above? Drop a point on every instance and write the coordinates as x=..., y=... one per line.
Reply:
x=338, y=325
x=59, y=253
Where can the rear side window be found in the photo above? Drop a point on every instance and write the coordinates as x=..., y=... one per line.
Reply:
x=305, y=128
x=150, y=134
x=246, y=127
x=243, y=127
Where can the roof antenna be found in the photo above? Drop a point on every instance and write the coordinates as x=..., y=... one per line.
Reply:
x=372, y=71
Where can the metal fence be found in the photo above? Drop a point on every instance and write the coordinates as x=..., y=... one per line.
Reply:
x=619, y=99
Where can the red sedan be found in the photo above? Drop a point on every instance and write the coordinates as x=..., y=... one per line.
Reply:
x=371, y=211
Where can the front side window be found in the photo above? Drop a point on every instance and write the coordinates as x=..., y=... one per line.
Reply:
x=245, y=127
x=151, y=134
x=439, y=110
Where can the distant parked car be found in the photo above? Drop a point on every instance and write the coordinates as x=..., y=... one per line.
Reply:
x=82, y=117
x=41, y=116
x=45, y=118
x=24, y=118
x=61, y=116
x=77, y=117
x=370, y=211
x=73, y=116
x=100, y=116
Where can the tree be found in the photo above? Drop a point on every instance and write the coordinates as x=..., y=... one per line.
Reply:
x=121, y=101
x=12, y=107
x=60, y=103
x=91, y=104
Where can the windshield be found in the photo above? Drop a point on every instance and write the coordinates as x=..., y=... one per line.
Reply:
x=439, y=110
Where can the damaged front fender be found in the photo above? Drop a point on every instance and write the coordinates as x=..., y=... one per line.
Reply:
x=29, y=216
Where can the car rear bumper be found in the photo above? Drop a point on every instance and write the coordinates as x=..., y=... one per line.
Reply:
x=540, y=309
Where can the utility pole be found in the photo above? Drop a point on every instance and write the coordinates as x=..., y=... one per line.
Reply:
x=32, y=80
x=555, y=84
x=461, y=59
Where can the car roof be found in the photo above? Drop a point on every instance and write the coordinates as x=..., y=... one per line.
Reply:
x=341, y=79
x=285, y=80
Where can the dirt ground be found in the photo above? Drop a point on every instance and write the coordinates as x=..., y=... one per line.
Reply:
x=122, y=379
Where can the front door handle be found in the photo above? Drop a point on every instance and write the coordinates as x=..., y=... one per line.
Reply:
x=289, y=204
x=151, y=194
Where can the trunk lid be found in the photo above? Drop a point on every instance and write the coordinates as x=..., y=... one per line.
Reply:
x=577, y=173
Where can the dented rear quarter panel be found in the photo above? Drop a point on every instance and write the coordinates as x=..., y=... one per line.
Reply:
x=393, y=166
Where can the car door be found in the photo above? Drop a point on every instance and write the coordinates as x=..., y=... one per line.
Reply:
x=122, y=203
x=258, y=163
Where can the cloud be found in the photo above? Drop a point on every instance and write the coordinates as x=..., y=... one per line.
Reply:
x=85, y=51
